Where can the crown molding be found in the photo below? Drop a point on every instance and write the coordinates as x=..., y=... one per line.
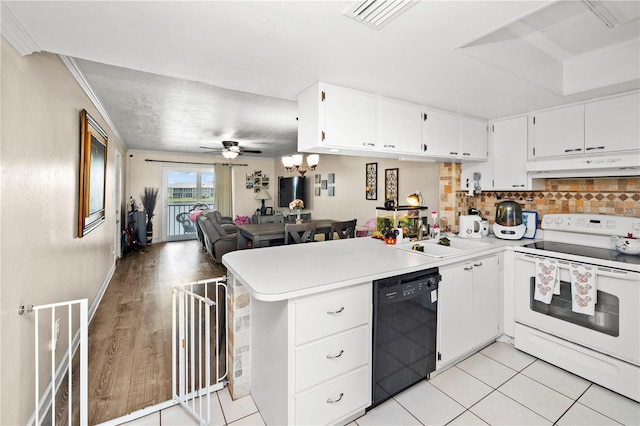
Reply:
x=15, y=34
x=77, y=73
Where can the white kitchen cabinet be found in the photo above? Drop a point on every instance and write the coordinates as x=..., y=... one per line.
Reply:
x=473, y=139
x=442, y=134
x=559, y=132
x=311, y=357
x=468, y=307
x=336, y=117
x=510, y=154
x=400, y=126
x=600, y=127
x=612, y=125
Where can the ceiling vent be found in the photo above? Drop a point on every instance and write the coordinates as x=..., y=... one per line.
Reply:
x=377, y=13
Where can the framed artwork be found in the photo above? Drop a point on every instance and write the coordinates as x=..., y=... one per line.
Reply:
x=332, y=191
x=268, y=211
x=391, y=185
x=371, y=181
x=93, y=173
x=331, y=178
x=317, y=191
x=318, y=178
x=324, y=184
x=249, y=181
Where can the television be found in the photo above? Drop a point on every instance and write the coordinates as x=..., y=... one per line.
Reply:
x=290, y=188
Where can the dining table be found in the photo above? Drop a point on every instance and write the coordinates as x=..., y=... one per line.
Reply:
x=265, y=234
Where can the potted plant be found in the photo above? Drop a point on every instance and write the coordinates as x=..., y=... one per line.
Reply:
x=149, y=199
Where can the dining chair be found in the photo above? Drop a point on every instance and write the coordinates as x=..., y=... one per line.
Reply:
x=346, y=229
x=306, y=217
x=299, y=233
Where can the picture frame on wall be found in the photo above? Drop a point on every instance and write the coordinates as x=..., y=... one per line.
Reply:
x=324, y=184
x=331, y=177
x=391, y=185
x=318, y=178
x=332, y=191
x=371, y=181
x=317, y=191
x=93, y=174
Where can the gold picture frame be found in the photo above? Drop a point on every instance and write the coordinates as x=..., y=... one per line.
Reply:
x=93, y=174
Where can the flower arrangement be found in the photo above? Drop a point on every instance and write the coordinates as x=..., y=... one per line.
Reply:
x=296, y=204
x=242, y=220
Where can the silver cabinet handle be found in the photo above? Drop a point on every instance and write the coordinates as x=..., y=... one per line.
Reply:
x=334, y=400
x=390, y=146
x=477, y=264
x=594, y=147
x=336, y=312
x=573, y=150
x=468, y=268
x=335, y=356
x=453, y=153
x=466, y=153
x=517, y=186
x=368, y=144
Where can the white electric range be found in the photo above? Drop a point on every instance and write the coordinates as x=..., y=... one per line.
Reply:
x=603, y=347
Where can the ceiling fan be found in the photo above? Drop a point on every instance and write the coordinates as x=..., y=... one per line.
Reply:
x=231, y=149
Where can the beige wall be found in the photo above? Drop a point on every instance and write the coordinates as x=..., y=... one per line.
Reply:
x=42, y=259
x=349, y=201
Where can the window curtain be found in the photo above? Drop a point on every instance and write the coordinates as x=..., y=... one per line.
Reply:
x=223, y=200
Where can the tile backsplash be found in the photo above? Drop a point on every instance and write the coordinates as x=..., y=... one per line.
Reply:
x=619, y=196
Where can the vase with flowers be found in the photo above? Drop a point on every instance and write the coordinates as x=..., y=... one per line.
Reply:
x=297, y=205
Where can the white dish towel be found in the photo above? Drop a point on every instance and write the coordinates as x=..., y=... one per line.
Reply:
x=547, y=280
x=584, y=288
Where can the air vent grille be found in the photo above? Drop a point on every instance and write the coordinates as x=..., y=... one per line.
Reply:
x=378, y=13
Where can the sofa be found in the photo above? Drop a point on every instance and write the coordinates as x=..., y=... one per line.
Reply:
x=219, y=234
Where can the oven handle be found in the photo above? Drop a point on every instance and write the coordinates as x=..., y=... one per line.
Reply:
x=602, y=270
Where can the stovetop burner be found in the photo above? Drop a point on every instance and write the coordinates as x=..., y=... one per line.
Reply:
x=586, y=251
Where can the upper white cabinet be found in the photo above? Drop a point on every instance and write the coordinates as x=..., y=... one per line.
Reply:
x=336, y=117
x=399, y=126
x=442, y=134
x=559, y=132
x=510, y=154
x=612, y=125
x=600, y=127
x=473, y=139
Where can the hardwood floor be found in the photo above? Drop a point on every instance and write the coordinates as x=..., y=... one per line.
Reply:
x=130, y=333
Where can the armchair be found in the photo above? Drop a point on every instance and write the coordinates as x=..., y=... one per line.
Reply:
x=219, y=237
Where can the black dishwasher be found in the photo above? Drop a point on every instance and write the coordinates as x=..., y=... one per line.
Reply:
x=405, y=311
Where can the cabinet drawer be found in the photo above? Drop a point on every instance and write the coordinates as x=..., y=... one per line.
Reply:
x=321, y=316
x=335, y=400
x=331, y=357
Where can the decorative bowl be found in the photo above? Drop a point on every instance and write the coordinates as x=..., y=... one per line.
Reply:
x=626, y=245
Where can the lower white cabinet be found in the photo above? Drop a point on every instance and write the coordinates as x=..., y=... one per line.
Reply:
x=469, y=307
x=311, y=357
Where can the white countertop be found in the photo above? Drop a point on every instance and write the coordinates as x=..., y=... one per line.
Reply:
x=285, y=272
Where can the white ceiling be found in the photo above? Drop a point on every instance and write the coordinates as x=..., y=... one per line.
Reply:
x=176, y=75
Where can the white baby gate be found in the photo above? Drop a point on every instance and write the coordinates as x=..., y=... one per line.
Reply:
x=73, y=317
x=193, y=305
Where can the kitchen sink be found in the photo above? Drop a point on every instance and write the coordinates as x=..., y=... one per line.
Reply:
x=456, y=246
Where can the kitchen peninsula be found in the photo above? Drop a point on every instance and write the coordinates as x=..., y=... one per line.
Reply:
x=289, y=306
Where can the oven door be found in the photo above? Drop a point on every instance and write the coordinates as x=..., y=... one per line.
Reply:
x=613, y=330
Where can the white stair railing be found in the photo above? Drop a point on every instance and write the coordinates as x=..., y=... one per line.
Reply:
x=74, y=315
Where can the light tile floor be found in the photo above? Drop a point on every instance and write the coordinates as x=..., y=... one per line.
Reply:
x=497, y=386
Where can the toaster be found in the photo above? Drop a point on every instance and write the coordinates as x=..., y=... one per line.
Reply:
x=470, y=226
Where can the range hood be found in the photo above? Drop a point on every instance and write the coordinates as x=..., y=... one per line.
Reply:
x=611, y=165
